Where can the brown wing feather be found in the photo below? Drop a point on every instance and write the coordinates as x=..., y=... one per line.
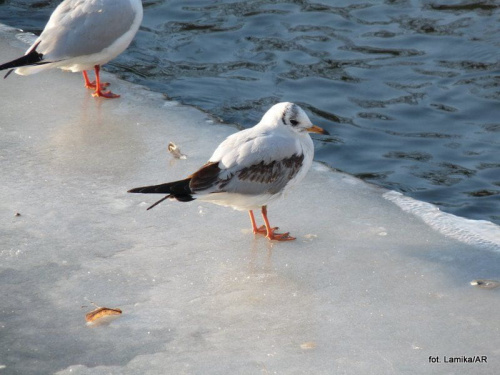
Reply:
x=275, y=174
x=272, y=177
x=205, y=177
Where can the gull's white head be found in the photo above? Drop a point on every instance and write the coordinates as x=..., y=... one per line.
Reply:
x=292, y=117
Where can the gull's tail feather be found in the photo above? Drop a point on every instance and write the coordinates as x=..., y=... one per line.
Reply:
x=178, y=190
x=31, y=58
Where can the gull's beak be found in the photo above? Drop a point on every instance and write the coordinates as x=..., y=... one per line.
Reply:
x=317, y=129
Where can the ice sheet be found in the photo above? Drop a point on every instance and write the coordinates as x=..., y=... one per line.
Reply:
x=367, y=288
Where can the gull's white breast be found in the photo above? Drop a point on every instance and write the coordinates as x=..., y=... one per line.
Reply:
x=249, y=148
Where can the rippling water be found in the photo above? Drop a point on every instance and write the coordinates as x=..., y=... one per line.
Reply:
x=409, y=90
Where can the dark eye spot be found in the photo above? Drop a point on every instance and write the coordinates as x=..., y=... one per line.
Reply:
x=294, y=122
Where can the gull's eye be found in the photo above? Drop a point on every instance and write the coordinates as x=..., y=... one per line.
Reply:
x=294, y=122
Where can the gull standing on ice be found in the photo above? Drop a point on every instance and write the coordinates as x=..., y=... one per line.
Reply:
x=82, y=35
x=252, y=168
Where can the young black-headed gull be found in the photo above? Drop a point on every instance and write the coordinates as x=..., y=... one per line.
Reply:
x=82, y=35
x=252, y=168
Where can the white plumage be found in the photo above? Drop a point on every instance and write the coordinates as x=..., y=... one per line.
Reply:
x=253, y=167
x=82, y=35
x=271, y=140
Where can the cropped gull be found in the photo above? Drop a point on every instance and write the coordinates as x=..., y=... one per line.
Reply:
x=251, y=168
x=82, y=35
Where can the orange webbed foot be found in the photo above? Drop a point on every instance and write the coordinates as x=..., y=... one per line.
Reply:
x=262, y=230
x=280, y=236
x=105, y=94
x=268, y=230
x=98, y=86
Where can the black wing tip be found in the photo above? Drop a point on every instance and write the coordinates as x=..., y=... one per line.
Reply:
x=157, y=202
x=183, y=198
x=31, y=58
x=180, y=198
x=135, y=190
x=8, y=73
x=151, y=189
x=180, y=187
x=8, y=65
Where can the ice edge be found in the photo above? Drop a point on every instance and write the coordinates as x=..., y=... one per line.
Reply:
x=475, y=232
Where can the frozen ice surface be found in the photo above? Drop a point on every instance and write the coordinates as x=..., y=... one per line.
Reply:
x=367, y=288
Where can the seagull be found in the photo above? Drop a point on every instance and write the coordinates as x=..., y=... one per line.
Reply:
x=251, y=168
x=82, y=35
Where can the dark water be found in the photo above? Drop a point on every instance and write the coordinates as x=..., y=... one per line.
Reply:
x=409, y=90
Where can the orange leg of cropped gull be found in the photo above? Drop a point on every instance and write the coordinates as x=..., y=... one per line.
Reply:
x=98, y=85
x=91, y=85
x=267, y=229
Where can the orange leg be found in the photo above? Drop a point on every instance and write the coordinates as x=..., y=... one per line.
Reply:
x=91, y=85
x=98, y=91
x=270, y=231
x=262, y=230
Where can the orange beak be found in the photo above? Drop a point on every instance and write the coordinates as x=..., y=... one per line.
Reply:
x=317, y=129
